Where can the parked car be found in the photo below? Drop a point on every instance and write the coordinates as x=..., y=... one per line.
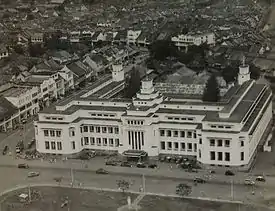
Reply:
x=229, y=173
x=141, y=165
x=199, y=180
x=249, y=182
x=260, y=178
x=162, y=159
x=33, y=174
x=152, y=166
x=101, y=171
x=111, y=163
x=5, y=150
x=23, y=166
x=126, y=164
x=23, y=121
x=19, y=146
x=212, y=172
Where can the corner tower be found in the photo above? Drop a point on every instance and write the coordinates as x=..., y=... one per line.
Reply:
x=244, y=73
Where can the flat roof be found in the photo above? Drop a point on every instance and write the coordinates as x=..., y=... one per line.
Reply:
x=15, y=91
x=72, y=109
x=77, y=95
x=108, y=88
x=243, y=107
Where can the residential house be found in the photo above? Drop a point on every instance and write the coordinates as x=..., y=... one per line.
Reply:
x=75, y=36
x=121, y=37
x=96, y=62
x=81, y=72
x=23, y=102
x=132, y=36
x=63, y=57
x=4, y=53
x=184, y=40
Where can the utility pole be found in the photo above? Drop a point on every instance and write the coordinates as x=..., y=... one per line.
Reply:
x=72, y=177
x=143, y=182
x=232, y=189
x=30, y=195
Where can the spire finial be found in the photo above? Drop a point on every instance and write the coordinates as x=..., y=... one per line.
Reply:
x=243, y=60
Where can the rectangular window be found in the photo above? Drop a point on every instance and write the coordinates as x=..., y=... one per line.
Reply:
x=227, y=143
x=73, y=145
x=81, y=141
x=58, y=133
x=111, y=142
x=182, y=146
x=92, y=129
x=116, y=142
x=227, y=156
x=162, y=145
x=116, y=130
x=242, y=143
x=169, y=145
x=169, y=133
x=219, y=143
x=81, y=130
x=212, y=142
x=105, y=141
x=242, y=155
x=59, y=145
x=104, y=129
x=52, y=133
x=46, y=133
x=98, y=141
x=212, y=155
x=97, y=129
x=195, y=147
x=220, y=156
x=176, y=145
x=176, y=133
x=53, y=145
x=162, y=132
x=85, y=129
x=92, y=140
x=189, y=134
x=189, y=147
x=195, y=135
x=86, y=140
x=182, y=134
x=110, y=129
x=47, y=145
x=200, y=141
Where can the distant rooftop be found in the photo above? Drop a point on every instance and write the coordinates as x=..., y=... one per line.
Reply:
x=15, y=91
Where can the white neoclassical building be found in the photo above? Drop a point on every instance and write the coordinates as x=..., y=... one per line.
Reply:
x=226, y=133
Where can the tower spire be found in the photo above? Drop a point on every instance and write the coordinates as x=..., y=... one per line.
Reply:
x=243, y=60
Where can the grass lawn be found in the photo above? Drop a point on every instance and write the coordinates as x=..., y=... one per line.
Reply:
x=51, y=199
x=156, y=203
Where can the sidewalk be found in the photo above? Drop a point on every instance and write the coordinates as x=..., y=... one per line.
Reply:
x=161, y=173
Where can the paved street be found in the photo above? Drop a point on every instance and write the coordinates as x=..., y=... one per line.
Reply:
x=164, y=186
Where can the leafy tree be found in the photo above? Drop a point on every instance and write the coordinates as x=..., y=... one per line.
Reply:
x=161, y=49
x=133, y=84
x=123, y=185
x=18, y=49
x=230, y=73
x=36, y=50
x=255, y=72
x=211, y=91
x=183, y=189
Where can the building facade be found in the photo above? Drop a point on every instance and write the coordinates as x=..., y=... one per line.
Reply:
x=184, y=40
x=224, y=133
